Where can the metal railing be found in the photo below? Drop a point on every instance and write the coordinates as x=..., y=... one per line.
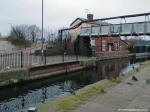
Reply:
x=22, y=59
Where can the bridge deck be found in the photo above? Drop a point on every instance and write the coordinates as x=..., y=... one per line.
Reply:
x=126, y=29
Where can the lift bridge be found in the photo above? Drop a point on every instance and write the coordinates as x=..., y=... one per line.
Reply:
x=122, y=29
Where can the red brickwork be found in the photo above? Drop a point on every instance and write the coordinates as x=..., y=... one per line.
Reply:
x=113, y=42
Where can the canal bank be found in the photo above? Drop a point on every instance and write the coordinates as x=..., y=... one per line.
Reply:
x=108, y=95
x=20, y=97
x=14, y=77
x=22, y=75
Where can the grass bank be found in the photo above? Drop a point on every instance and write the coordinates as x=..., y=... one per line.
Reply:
x=70, y=102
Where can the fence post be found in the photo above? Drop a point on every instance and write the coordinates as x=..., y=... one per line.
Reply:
x=64, y=54
x=63, y=58
x=21, y=59
x=76, y=57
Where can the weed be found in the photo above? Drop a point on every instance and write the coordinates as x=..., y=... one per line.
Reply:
x=129, y=83
x=102, y=90
x=67, y=104
x=115, y=80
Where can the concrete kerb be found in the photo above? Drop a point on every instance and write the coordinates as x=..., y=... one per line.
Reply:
x=11, y=77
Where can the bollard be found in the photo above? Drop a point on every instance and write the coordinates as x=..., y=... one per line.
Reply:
x=32, y=109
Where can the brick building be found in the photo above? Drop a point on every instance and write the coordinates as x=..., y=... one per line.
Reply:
x=108, y=45
x=96, y=45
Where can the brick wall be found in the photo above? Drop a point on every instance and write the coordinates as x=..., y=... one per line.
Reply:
x=98, y=43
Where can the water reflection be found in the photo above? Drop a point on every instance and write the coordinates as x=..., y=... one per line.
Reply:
x=19, y=98
x=110, y=69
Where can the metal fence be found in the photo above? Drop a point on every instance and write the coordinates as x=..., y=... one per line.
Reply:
x=21, y=59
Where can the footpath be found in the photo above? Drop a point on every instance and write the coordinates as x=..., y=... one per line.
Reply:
x=126, y=96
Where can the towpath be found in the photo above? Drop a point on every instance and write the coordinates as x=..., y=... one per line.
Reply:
x=125, y=97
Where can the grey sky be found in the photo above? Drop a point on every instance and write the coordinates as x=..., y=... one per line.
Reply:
x=59, y=13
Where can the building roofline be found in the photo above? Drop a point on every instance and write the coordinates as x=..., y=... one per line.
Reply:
x=124, y=42
x=78, y=19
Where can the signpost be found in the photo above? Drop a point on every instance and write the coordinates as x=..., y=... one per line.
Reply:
x=42, y=39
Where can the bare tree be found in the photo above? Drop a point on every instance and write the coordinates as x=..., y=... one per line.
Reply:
x=18, y=32
x=25, y=32
x=66, y=36
x=34, y=32
x=51, y=36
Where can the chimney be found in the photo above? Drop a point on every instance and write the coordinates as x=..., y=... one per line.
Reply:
x=90, y=17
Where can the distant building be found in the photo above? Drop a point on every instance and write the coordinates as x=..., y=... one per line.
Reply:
x=82, y=22
x=141, y=48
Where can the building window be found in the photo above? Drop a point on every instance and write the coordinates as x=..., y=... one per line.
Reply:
x=93, y=43
x=103, y=45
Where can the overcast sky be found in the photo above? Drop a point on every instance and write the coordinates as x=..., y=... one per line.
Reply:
x=59, y=13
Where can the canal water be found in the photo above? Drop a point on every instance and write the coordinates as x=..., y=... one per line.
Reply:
x=21, y=97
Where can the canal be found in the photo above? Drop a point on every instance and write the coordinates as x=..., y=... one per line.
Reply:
x=19, y=98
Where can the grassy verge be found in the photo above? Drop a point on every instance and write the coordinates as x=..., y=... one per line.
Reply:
x=129, y=83
x=145, y=64
x=71, y=102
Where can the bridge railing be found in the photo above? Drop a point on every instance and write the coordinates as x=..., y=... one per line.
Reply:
x=137, y=28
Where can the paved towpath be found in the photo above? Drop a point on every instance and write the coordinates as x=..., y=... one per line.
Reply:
x=126, y=95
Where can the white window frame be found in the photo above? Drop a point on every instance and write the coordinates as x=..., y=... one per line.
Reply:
x=103, y=45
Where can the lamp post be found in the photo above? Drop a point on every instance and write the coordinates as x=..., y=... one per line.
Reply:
x=42, y=16
x=42, y=29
